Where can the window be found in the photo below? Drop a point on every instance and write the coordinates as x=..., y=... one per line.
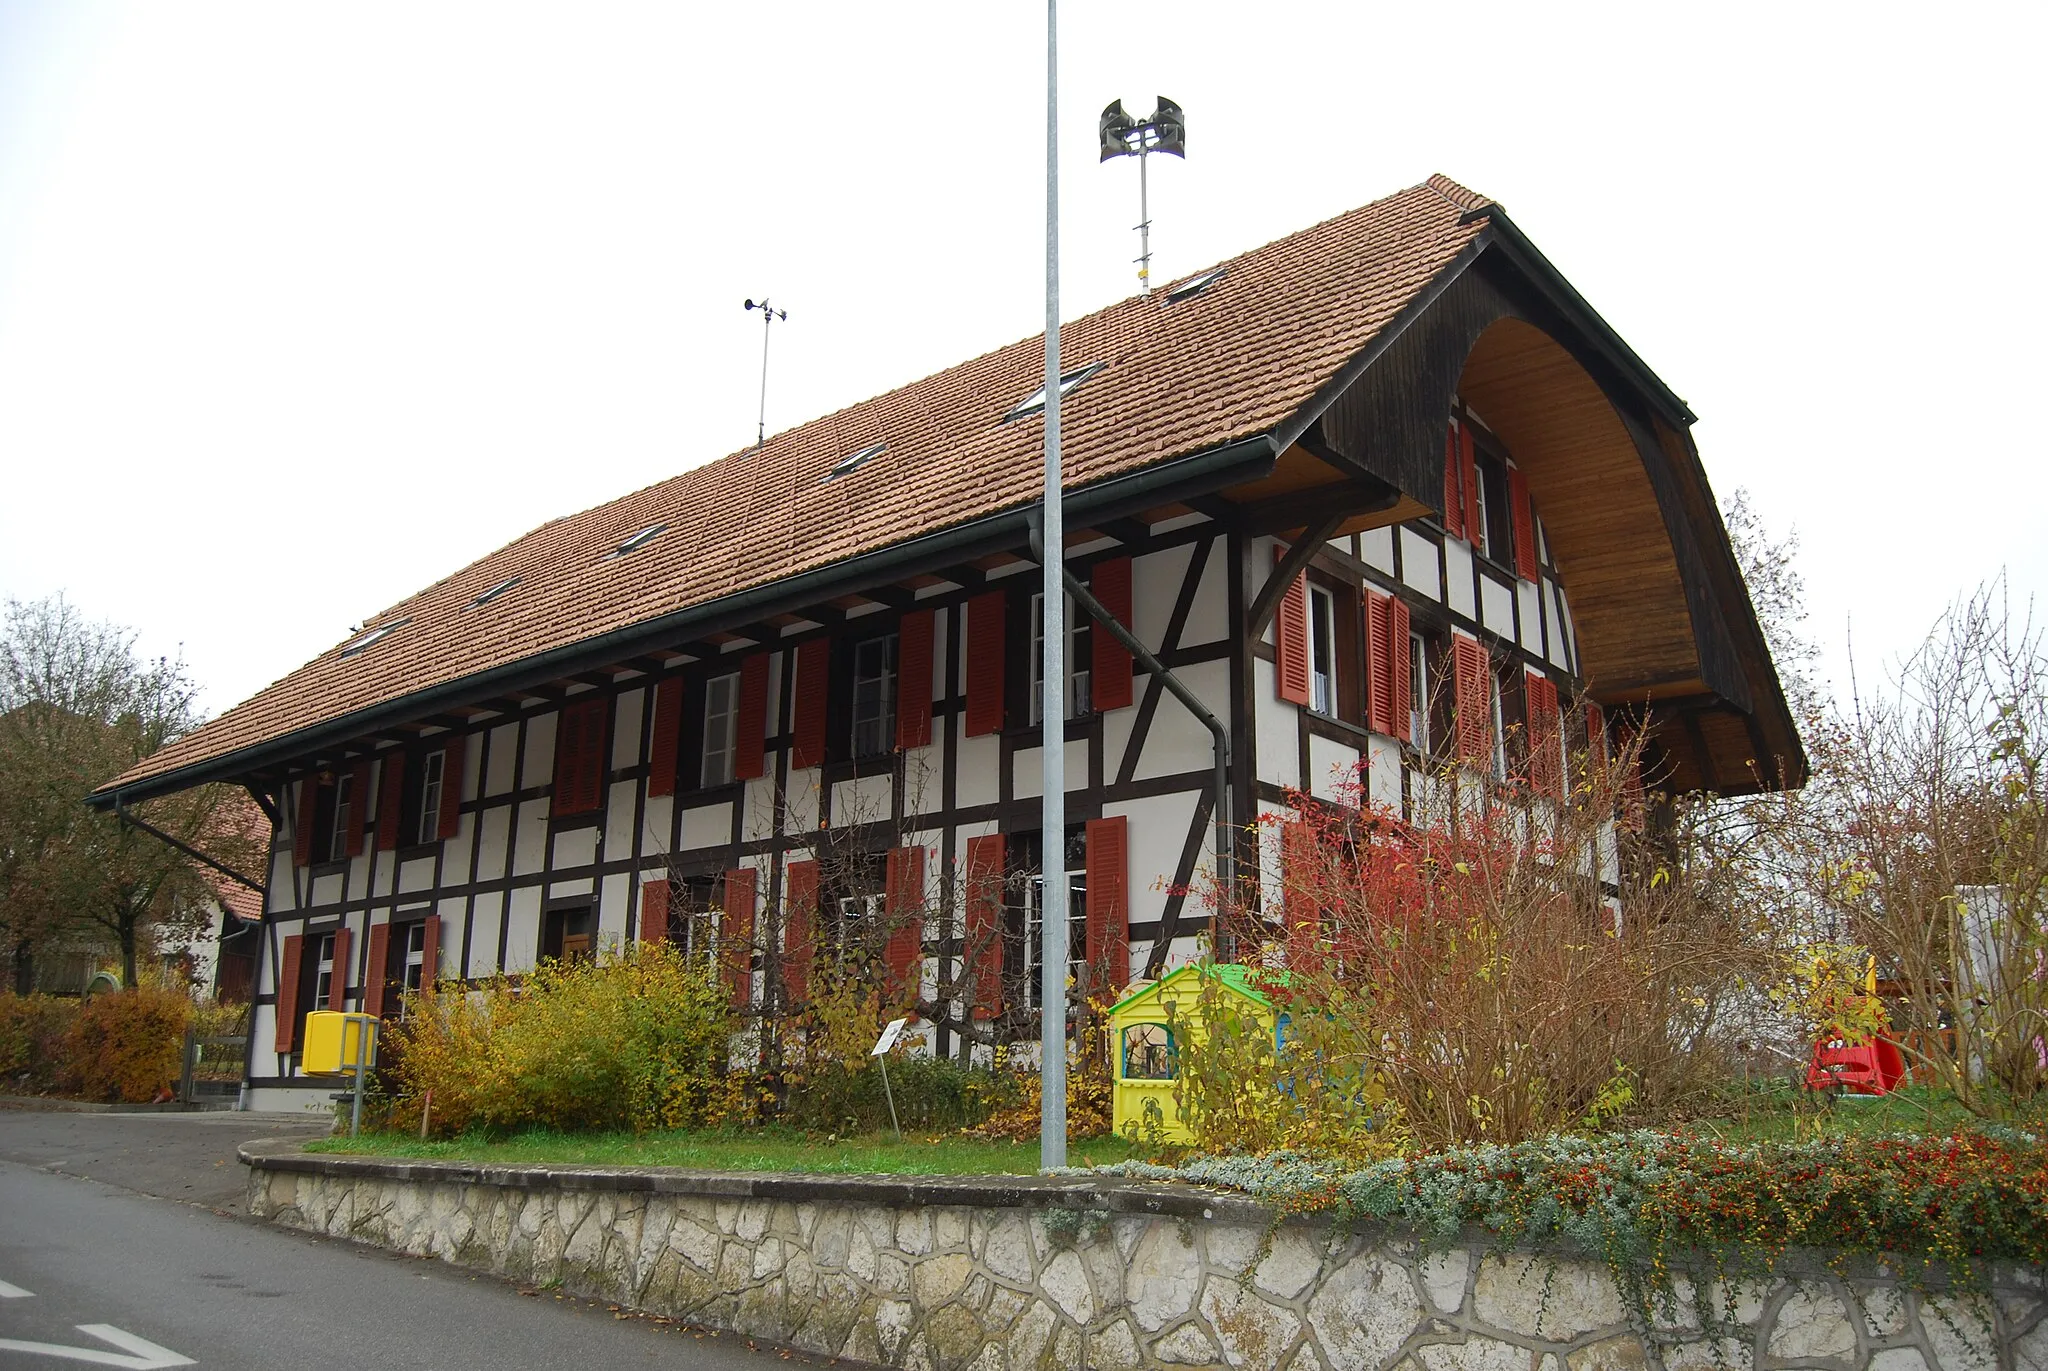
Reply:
x=413, y=969
x=360, y=645
x=1322, y=650
x=1034, y=904
x=1418, y=692
x=1034, y=403
x=432, y=767
x=1195, y=285
x=323, y=972
x=854, y=460
x=1079, y=646
x=494, y=592
x=639, y=540
x=695, y=904
x=1148, y=1052
x=874, y=696
x=1495, y=537
x=858, y=904
x=721, y=729
x=337, y=829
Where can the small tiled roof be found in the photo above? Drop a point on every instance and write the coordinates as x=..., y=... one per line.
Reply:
x=1232, y=362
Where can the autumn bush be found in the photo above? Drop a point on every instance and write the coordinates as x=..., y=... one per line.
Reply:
x=634, y=1041
x=35, y=1054
x=126, y=1046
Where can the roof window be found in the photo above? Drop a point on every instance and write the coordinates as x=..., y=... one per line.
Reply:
x=494, y=592
x=1034, y=403
x=854, y=460
x=639, y=540
x=1195, y=285
x=356, y=647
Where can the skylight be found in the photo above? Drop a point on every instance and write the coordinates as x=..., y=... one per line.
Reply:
x=639, y=540
x=1034, y=403
x=357, y=646
x=495, y=591
x=1195, y=285
x=855, y=459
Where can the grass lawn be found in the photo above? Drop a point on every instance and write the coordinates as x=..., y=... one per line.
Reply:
x=1779, y=1113
x=761, y=1149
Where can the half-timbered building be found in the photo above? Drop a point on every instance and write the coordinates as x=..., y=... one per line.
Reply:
x=1379, y=494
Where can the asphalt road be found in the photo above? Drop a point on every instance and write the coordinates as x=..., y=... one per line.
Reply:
x=189, y=1157
x=98, y=1267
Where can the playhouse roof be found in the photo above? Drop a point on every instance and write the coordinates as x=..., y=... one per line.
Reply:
x=1243, y=979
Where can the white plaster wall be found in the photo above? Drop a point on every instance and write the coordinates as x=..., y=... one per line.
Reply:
x=626, y=750
x=618, y=817
x=707, y=826
x=575, y=847
x=1530, y=596
x=540, y=750
x=1457, y=592
x=1376, y=549
x=981, y=769
x=522, y=929
x=503, y=745
x=865, y=799
x=1419, y=564
x=1277, y=729
x=1029, y=779
x=1497, y=606
x=486, y=917
x=1332, y=769
x=529, y=842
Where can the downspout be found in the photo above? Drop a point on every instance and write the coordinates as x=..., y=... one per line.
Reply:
x=1177, y=688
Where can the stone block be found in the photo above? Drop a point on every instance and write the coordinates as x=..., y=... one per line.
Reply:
x=913, y=1232
x=1065, y=1282
x=949, y=1230
x=1187, y=1345
x=1293, y=1264
x=892, y=1327
x=1476, y=1353
x=1163, y=1278
x=2030, y=1349
x=1251, y=1332
x=1443, y=1279
x=1365, y=1310
x=1960, y=1334
x=1714, y=1354
x=831, y=1237
x=1007, y=1253
x=1031, y=1336
x=1624, y=1353
x=1113, y=1348
x=1229, y=1247
x=1898, y=1359
x=953, y=1336
x=1541, y=1297
x=935, y=1281
x=1811, y=1323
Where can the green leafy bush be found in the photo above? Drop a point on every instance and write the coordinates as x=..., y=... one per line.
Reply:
x=633, y=1042
x=34, y=1054
x=1651, y=1202
x=932, y=1094
x=127, y=1045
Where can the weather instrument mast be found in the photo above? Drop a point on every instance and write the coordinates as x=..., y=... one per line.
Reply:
x=768, y=317
x=1164, y=130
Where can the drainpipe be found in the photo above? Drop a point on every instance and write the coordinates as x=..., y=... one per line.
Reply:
x=1177, y=688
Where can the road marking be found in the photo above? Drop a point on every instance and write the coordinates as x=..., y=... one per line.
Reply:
x=140, y=1353
x=13, y=1292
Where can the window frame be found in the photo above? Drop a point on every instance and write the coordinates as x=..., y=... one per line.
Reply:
x=1420, y=731
x=1171, y=1052
x=426, y=821
x=1079, y=661
x=729, y=754
x=882, y=741
x=1029, y=898
x=1323, y=681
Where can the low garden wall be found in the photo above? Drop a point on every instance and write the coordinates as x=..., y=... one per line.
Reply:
x=1017, y=1274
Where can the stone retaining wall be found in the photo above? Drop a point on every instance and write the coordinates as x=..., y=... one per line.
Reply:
x=1017, y=1274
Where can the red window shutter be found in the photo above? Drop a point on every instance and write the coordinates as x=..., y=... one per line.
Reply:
x=451, y=786
x=1546, y=770
x=1109, y=681
x=914, y=680
x=1468, y=472
x=579, y=760
x=985, y=860
x=390, y=799
x=813, y=694
x=1596, y=736
x=1473, y=698
x=290, y=963
x=662, y=742
x=1290, y=640
x=738, y=934
x=654, y=911
x=1525, y=524
x=903, y=898
x=1109, y=931
x=337, y=984
x=986, y=635
x=373, y=980
x=1379, y=664
x=358, y=806
x=750, y=757
x=799, y=931
x=1300, y=911
x=430, y=952
x=1400, y=667
x=1454, y=484
x=302, y=828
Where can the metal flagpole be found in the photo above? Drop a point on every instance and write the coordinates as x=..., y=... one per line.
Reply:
x=1052, y=843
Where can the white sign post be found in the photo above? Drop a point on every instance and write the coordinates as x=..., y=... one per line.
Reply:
x=892, y=1034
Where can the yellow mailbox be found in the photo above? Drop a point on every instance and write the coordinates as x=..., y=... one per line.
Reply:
x=1144, y=1055
x=336, y=1043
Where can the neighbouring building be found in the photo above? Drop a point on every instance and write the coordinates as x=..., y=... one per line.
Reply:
x=1383, y=491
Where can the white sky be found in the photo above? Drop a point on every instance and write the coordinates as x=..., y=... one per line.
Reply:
x=302, y=307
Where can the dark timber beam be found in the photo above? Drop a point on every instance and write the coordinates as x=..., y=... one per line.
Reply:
x=1300, y=508
x=181, y=845
x=1262, y=609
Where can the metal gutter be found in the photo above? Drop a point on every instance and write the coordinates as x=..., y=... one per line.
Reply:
x=1231, y=464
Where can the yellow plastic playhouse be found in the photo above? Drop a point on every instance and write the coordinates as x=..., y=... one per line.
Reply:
x=1144, y=1054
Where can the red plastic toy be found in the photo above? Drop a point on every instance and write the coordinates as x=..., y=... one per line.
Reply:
x=1872, y=1068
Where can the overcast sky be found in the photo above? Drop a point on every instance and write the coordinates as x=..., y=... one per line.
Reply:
x=302, y=307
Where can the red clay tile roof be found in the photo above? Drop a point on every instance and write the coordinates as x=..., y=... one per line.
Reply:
x=1233, y=362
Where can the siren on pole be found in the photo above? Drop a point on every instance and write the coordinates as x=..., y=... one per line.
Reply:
x=1164, y=130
